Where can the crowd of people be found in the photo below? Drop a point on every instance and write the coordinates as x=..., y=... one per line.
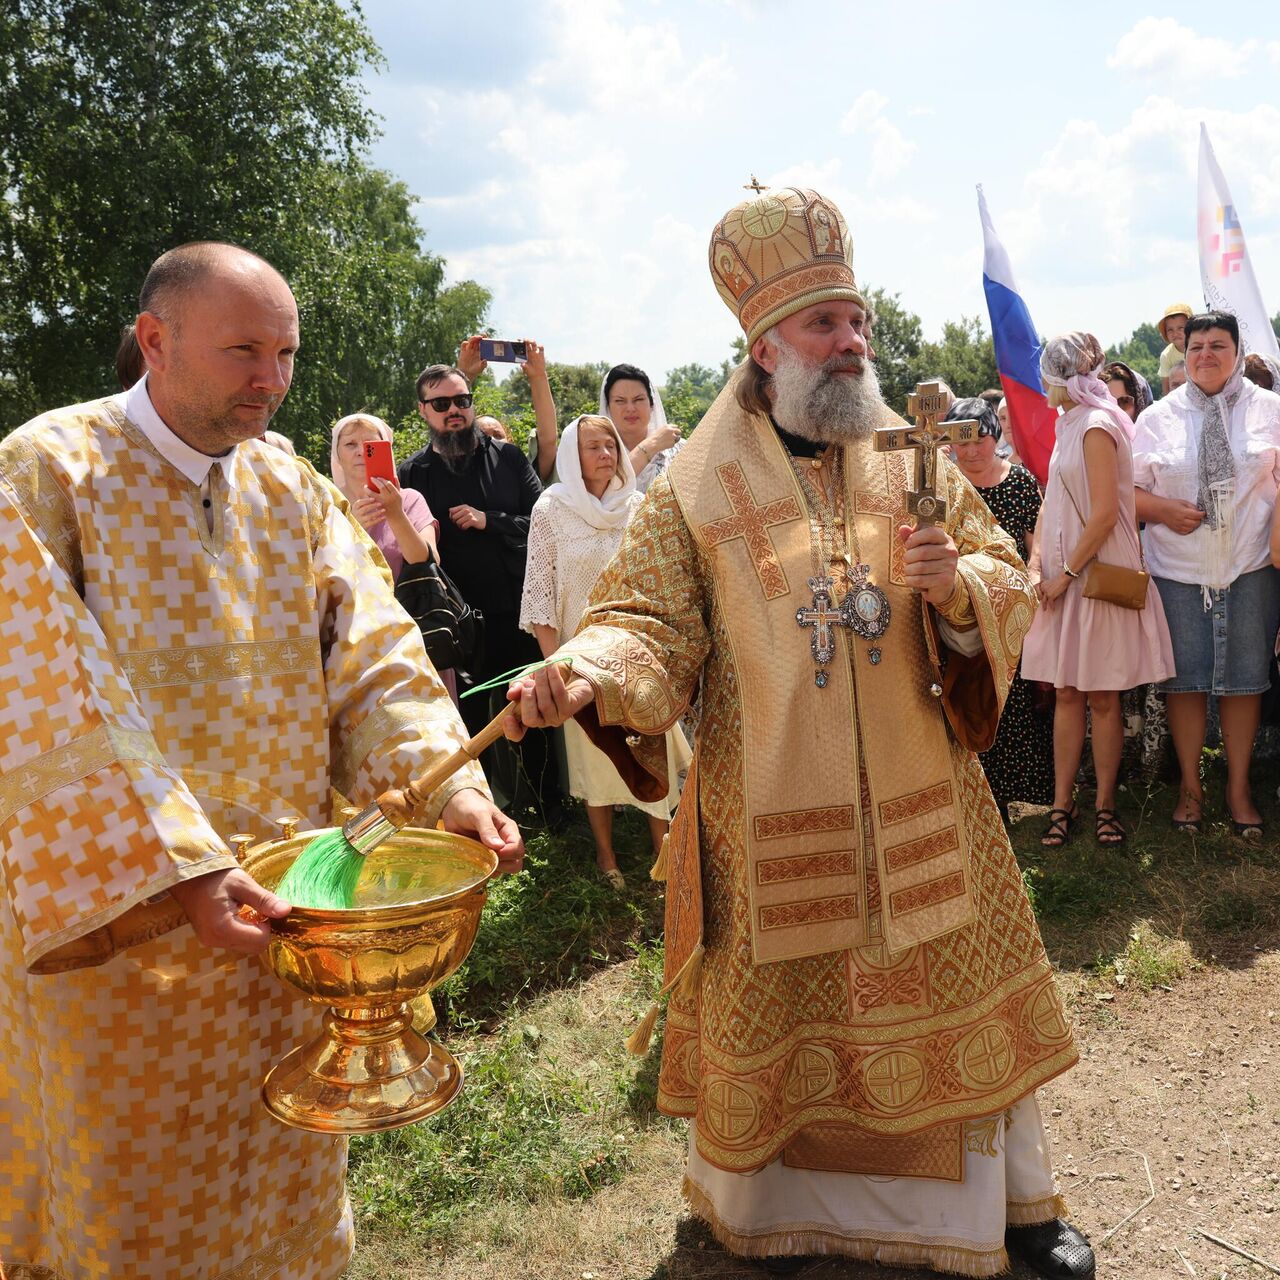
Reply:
x=860, y=1008
x=1119, y=493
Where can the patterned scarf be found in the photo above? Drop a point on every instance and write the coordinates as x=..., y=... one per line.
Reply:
x=1216, y=464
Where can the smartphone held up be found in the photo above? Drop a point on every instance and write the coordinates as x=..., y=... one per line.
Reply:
x=503, y=352
x=379, y=463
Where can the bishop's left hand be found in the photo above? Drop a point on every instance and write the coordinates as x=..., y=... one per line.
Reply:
x=930, y=561
x=469, y=813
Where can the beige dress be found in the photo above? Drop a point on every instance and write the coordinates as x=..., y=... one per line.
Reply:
x=566, y=556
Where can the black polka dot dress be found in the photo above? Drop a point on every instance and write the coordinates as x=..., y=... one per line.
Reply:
x=1019, y=765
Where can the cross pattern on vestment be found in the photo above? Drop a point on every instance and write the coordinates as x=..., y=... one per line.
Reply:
x=925, y=404
x=752, y=523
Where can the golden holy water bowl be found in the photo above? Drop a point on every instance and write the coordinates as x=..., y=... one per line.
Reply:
x=417, y=909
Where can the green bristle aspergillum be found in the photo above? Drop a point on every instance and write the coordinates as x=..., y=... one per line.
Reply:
x=324, y=874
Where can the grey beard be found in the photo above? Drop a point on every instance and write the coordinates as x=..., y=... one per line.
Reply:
x=455, y=447
x=812, y=402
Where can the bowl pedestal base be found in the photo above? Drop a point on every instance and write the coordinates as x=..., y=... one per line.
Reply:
x=367, y=1071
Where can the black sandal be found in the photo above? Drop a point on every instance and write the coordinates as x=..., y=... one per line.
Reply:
x=1191, y=825
x=1250, y=831
x=1108, y=832
x=1058, y=832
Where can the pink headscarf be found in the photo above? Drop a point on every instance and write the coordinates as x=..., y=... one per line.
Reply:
x=1074, y=361
x=365, y=419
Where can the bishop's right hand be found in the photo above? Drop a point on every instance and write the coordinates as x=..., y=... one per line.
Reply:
x=544, y=699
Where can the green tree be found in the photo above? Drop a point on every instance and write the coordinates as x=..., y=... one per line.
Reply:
x=129, y=127
x=691, y=390
x=896, y=338
x=965, y=358
x=575, y=388
x=1141, y=352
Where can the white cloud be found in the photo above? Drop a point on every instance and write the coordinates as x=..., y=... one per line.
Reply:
x=891, y=151
x=1113, y=210
x=1164, y=47
x=626, y=66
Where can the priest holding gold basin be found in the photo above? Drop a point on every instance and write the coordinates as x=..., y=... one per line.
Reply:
x=201, y=641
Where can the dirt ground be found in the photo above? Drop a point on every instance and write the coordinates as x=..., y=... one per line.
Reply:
x=1186, y=1079
x=1181, y=1081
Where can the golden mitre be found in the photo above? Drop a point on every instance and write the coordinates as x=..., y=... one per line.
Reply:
x=779, y=252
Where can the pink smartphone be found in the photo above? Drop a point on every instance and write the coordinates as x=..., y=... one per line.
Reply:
x=379, y=462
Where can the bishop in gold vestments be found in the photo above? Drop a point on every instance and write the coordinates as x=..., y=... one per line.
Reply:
x=186, y=656
x=860, y=1003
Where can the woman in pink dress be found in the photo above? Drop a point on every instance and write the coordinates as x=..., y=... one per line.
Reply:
x=1090, y=650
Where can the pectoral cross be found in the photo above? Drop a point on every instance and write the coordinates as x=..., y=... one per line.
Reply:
x=925, y=404
x=822, y=618
x=754, y=185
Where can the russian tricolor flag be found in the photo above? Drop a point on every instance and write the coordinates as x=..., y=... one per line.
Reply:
x=1017, y=344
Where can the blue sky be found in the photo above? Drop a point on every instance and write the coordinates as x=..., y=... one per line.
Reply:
x=573, y=155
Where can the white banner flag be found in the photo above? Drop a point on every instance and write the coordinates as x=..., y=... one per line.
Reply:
x=1225, y=270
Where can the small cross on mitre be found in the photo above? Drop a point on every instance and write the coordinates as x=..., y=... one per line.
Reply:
x=754, y=185
x=926, y=404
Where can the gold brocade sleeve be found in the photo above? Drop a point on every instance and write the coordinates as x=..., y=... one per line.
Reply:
x=642, y=642
x=94, y=825
x=994, y=592
x=390, y=716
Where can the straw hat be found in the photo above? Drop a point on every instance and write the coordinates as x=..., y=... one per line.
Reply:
x=1178, y=309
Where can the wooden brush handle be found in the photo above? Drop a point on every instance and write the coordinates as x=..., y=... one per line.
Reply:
x=398, y=807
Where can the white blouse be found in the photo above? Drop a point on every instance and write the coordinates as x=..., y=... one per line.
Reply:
x=1165, y=460
x=566, y=556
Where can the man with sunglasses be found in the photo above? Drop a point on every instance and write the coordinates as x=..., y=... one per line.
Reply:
x=487, y=489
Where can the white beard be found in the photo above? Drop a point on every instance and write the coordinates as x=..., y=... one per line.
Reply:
x=815, y=403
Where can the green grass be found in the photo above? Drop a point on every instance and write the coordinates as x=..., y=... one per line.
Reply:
x=555, y=923
x=553, y=1104
x=555, y=1110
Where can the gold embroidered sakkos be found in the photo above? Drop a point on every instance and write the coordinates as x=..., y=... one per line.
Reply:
x=786, y=831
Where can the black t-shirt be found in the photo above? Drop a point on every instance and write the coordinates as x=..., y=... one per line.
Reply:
x=486, y=564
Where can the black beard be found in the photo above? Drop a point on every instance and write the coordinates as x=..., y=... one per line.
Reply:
x=456, y=447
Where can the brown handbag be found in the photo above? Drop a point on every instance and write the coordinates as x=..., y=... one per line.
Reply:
x=1113, y=583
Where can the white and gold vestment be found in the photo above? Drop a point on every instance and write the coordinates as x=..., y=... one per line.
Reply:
x=173, y=672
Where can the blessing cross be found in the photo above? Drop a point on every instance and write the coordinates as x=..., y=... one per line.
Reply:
x=754, y=185
x=925, y=404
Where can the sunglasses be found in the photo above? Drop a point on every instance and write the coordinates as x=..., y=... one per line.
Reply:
x=441, y=403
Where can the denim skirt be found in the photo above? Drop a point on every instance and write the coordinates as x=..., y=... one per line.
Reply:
x=1226, y=648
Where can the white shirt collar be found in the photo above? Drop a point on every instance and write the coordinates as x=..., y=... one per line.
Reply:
x=137, y=407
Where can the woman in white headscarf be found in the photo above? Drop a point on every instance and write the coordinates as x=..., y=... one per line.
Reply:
x=628, y=399
x=1207, y=467
x=576, y=527
x=1090, y=650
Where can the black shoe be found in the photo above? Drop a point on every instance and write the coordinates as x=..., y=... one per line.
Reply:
x=1054, y=1249
x=783, y=1266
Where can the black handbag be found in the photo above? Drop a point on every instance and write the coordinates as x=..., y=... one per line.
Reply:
x=451, y=629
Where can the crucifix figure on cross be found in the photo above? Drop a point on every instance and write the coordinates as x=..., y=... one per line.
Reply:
x=926, y=404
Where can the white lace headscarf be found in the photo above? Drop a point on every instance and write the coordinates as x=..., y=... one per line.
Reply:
x=613, y=509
